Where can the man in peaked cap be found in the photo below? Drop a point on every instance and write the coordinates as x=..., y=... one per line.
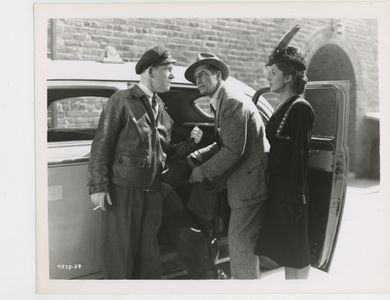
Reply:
x=238, y=156
x=157, y=56
x=125, y=177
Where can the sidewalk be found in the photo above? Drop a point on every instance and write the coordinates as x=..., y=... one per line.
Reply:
x=361, y=262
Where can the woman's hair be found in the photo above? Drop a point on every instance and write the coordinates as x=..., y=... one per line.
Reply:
x=298, y=75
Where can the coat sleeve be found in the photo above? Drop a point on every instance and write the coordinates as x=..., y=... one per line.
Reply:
x=301, y=123
x=198, y=157
x=103, y=146
x=233, y=132
x=180, y=150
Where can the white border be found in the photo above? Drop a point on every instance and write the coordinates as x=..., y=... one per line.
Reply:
x=380, y=11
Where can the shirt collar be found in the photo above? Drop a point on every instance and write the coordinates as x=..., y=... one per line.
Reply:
x=146, y=90
x=214, y=98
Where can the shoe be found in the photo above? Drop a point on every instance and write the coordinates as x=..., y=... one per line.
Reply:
x=221, y=274
x=213, y=273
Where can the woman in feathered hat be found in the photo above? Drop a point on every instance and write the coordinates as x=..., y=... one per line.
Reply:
x=284, y=235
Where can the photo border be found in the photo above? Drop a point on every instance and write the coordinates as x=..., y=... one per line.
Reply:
x=231, y=9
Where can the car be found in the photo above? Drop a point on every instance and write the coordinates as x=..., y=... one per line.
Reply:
x=76, y=94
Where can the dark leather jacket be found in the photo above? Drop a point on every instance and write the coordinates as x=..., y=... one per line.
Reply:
x=128, y=148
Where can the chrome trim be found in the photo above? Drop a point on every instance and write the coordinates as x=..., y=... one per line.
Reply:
x=67, y=163
x=64, y=144
x=204, y=124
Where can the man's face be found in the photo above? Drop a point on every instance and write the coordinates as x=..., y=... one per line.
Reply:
x=161, y=78
x=205, y=80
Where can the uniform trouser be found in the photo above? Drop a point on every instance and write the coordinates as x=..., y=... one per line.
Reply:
x=130, y=227
x=194, y=247
x=244, y=227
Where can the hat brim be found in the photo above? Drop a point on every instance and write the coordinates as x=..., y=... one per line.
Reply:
x=189, y=73
x=296, y=62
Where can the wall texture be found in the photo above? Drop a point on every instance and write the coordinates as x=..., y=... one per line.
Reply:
x=245, y=45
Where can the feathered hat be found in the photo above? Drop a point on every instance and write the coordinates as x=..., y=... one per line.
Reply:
x=283, y=52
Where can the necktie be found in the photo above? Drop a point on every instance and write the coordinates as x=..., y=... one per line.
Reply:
x=154, y=105
x=212, y=110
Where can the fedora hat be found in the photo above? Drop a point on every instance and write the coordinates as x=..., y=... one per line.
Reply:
x=284, y=53
x=206, y=58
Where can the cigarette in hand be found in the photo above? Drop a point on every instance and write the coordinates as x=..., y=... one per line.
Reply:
x=95, y=208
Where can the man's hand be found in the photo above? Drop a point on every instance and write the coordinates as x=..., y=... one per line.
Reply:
x=196, y=134
x=197, y=175
x=98, y=199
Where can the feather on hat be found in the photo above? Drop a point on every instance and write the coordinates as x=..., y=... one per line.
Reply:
x=283, y=52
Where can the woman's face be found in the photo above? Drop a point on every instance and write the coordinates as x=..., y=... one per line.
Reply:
x=278, y=82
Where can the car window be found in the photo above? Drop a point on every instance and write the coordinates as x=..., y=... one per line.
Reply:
x=324, y=105
x=202, y=104
x=74, y=118
x=73, y=113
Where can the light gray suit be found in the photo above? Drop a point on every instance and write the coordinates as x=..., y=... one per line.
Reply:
x=240, y=155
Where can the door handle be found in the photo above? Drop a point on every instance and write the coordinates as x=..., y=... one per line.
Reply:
x=339, y=171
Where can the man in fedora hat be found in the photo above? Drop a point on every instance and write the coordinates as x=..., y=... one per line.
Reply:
x=238, y=156
x=125, y=171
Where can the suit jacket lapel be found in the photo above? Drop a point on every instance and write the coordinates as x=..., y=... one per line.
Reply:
x=220, y=97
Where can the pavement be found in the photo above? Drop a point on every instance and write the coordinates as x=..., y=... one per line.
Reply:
x=361, y=261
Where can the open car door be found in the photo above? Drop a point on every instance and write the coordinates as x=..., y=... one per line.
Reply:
x=328, y=164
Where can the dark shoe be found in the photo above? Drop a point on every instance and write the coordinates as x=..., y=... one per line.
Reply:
x=213, y=273
x=221, y=274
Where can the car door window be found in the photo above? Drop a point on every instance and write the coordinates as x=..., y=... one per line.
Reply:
x=77, y=112
x=324, y=105
x=202, y=104
x=73, y=114
x=180, y=104
x=74, y=118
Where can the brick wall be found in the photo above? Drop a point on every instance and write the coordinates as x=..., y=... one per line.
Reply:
x=80, y=112
x=244, y=44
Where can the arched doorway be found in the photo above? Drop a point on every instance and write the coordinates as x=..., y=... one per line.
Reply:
x=330, y=62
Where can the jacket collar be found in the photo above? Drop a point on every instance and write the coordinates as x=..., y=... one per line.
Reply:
x=145, y=89
x=137, y=91
x=215, y=96
x=141, y=95
x=219, y=96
